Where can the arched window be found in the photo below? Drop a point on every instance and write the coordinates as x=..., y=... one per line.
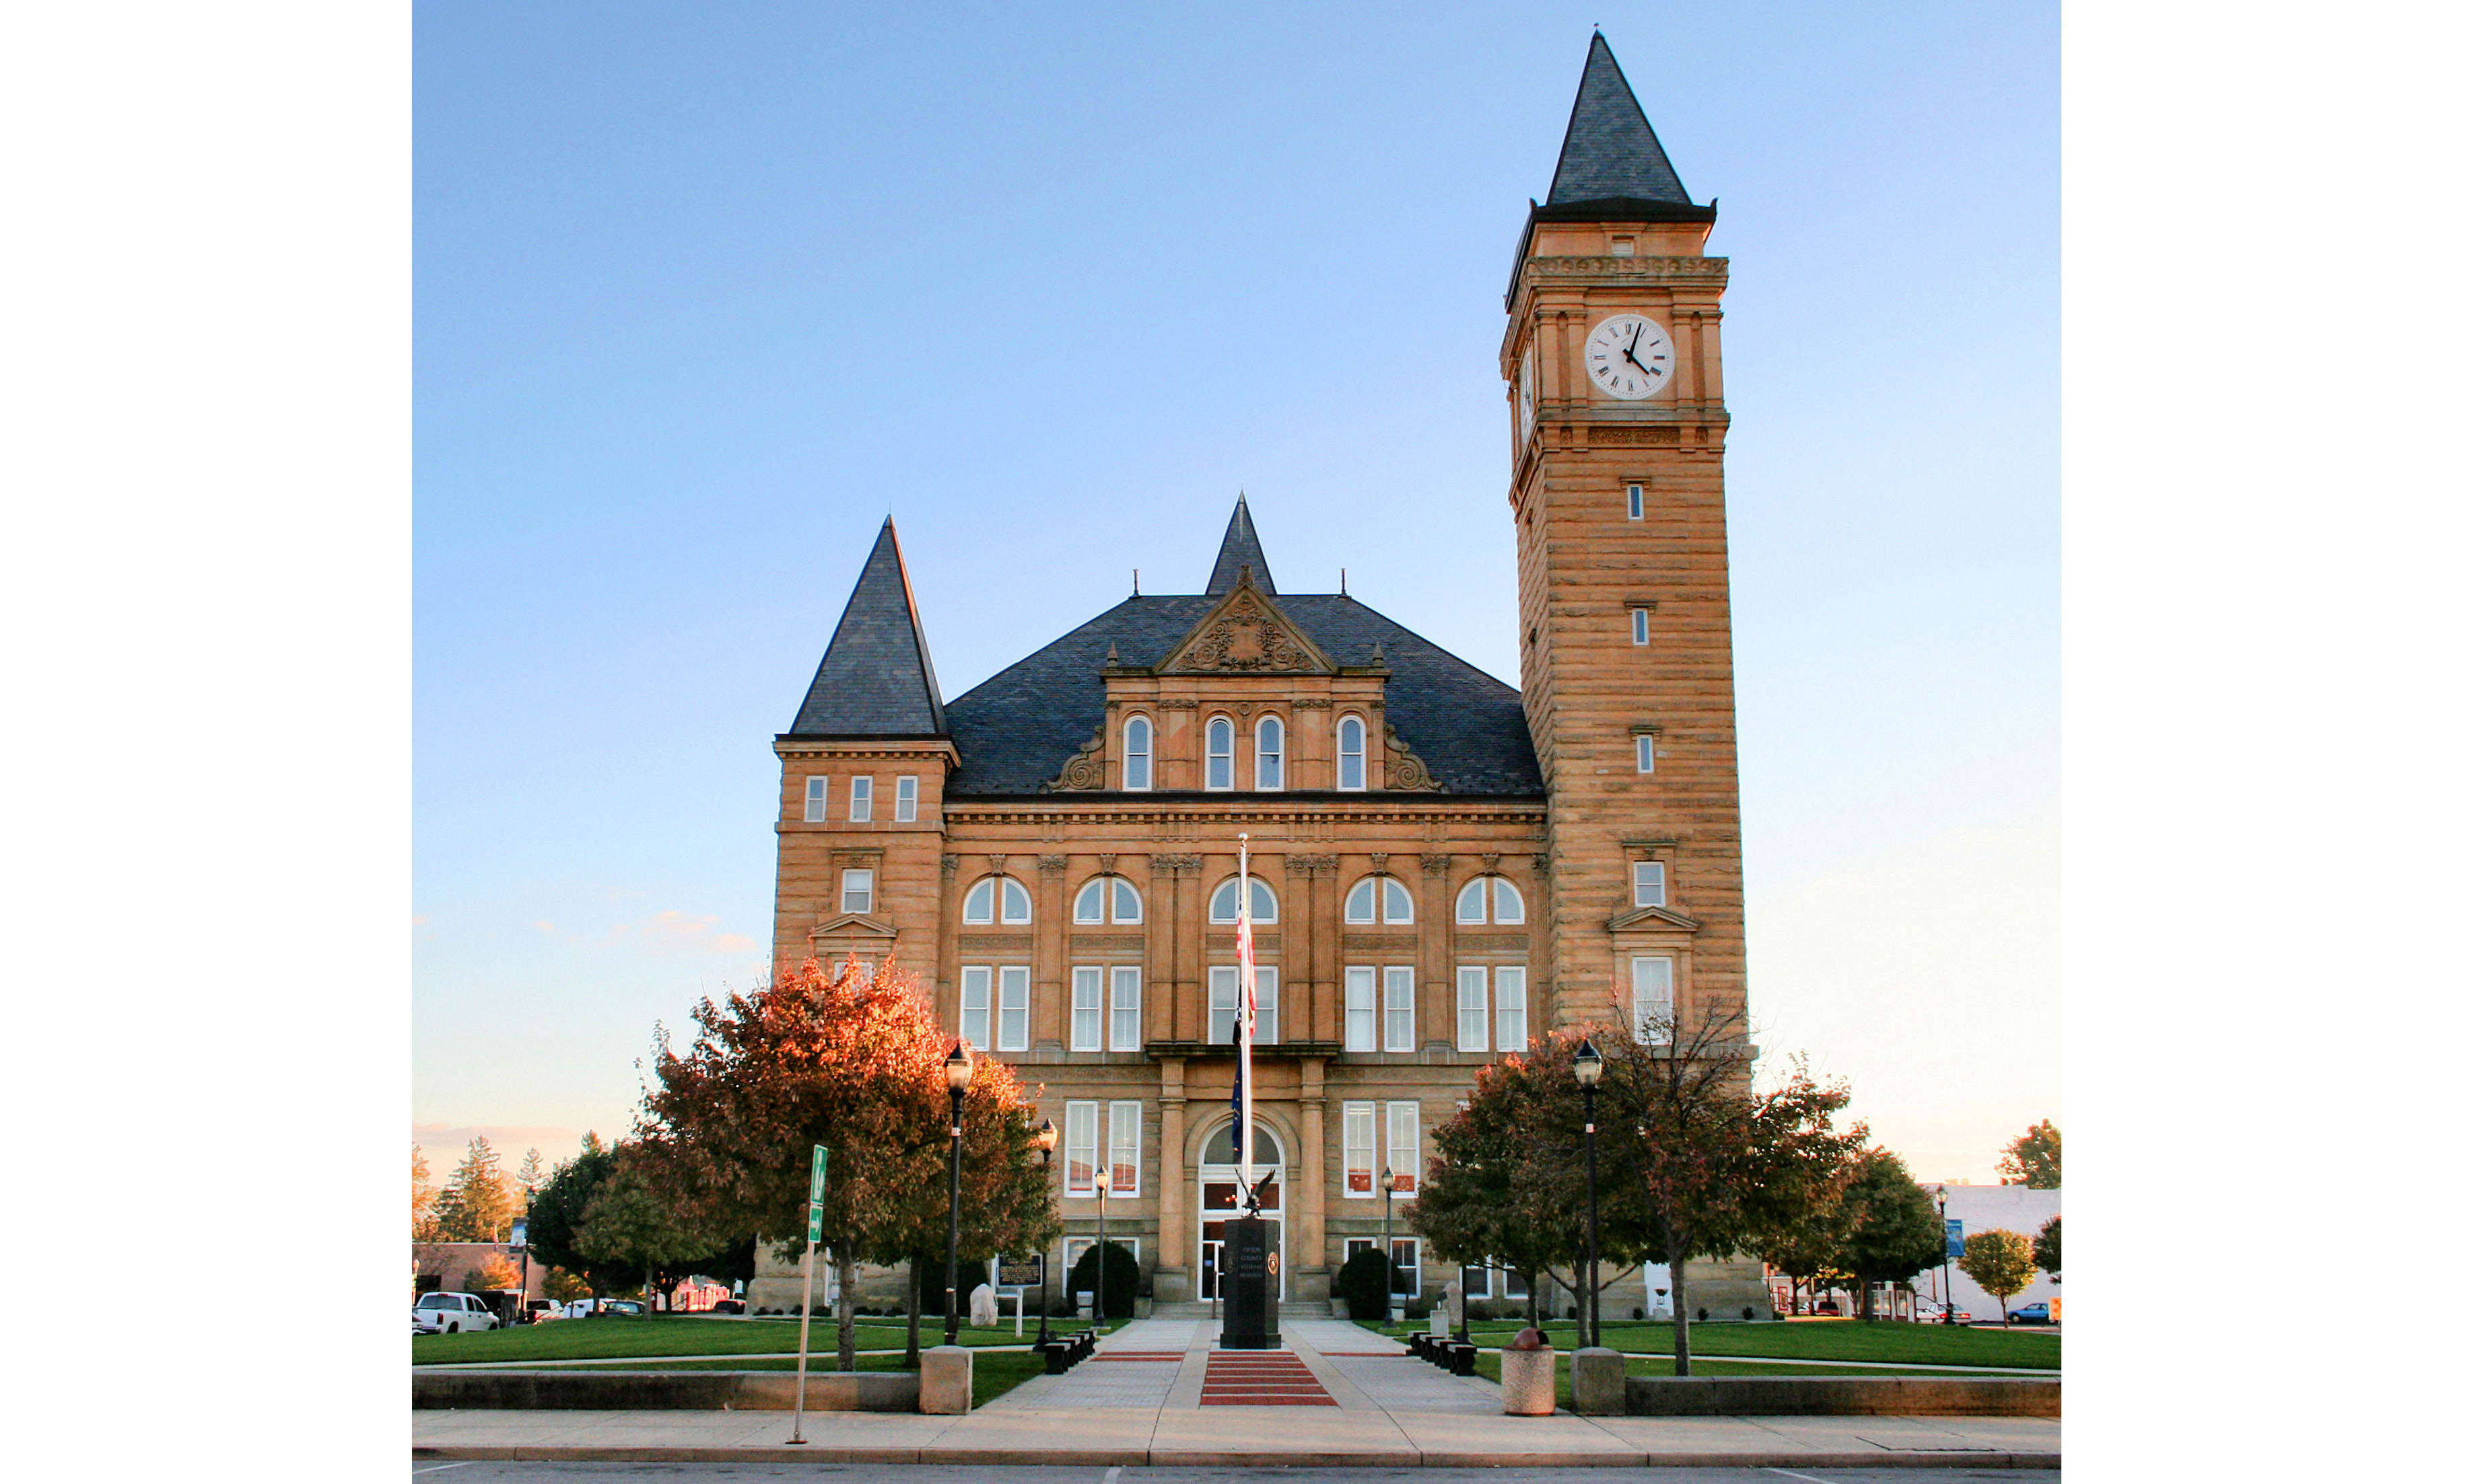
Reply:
x=1220, y=1148
x=1360, y=905
x=995, y=898
x=1473, y=903
x=1268, y=739
x=1220, y=753
x=1224, y=903
x=1352, y=753
x=1108, y=899
x=1138, y=753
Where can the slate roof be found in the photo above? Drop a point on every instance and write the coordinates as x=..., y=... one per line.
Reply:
x=1017, y=730
x=1239, y=548
x=1610, y=151
x=876, y=679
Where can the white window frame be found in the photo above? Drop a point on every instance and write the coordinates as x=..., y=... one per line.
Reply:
x=1220, y=753
x=1512, y=1007
x=1644, y=752
x=1397, y=899
x=1400, y=1119
x=1362, y=903
x=1495, y=897
x=1081, y=1145
x=1357, y=1152
x=1359, y=1022
x=862, y=881
x=1484, y=1286
x=1653, y=994
x=1399, y=1008
x=1137, y=770
x=1649, y=883
x=1415, y=1267
x=905, y=799
x=863, y=798
x=1120, y=892
x=1352, y=759
x=820, y=794
x=1270, y=762
x=1269, y=903
x=1469, y=1006
x=979, y=1003
x=1124, y=1148
x=1084, y=1025
x=1635, y=498
x=1013, y=902
x=1460, y=913
x=1014, y=1007
x=1125, y=1007
x=1223, y=1001
x=1091, y=902
x=1640, y=626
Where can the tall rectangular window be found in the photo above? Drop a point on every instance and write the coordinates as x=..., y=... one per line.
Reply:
x=1400, y=1146
x=1649, y=883
x=1631, y=502
x=1404, y=1266
x=1652, y=1000
x=1478, y=1282
x=1640, y=626
x=1399, y=1008
x=976, y=978
x=1082, y=1146
x=1472, y=1008
x=1086, y=1008
x=1357, y=992
x=905, y=799
x=1124, y=1148
x=1357, y=1148
x=1126, y=1008
x=863, y=799
x=1222, y=1030
x=858, y=891
x=1267, y=1006
x=1644, y=752
x=1014, y=1008
x=816, y=787
x=1512, y=1007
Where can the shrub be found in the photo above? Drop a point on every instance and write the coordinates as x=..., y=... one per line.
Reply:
x=1361, y=1283
x=1124, y=1276
x=1638, y=1313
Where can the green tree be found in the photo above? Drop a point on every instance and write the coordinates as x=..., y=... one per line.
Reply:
x=529, y=1174
x=477, y=1205
x=1893, y=1230
x=1805, y=1244
x=631, y=1222
x=2049, y=1249
x=2001, y=1263
x=425, y=1200
x=2034, y=1159
x=558, y=1213
x=564, y=1286
x=493, y=1271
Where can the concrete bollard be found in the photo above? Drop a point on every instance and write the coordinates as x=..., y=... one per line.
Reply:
x=945, y=1379
x=1598, y=1381
x=1529, y=1375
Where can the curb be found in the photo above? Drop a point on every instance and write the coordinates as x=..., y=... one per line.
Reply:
x=1103, y=1459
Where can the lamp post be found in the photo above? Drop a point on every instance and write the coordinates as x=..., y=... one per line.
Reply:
x=1099, y=1264
x=1949, y=1306
x=1387, y=1244
x=957, y=1078
x=1588, y=1066
x=1046, y=1140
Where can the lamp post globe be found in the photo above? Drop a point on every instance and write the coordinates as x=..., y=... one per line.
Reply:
x=1588, y=1066
x=1044, y=1137
x=957, y=1079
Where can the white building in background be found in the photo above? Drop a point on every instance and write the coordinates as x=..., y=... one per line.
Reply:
x=1985, y=1209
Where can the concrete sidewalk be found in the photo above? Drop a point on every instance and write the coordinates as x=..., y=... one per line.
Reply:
x=1136, y=1402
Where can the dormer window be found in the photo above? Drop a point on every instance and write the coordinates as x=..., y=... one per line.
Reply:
x=1352, y=753
x=1220, y=753
x=990, y=896
x=1138, y=753
x=1268, y=735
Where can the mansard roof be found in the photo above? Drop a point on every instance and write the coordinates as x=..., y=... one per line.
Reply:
x=876, y=679
x=1017, y=730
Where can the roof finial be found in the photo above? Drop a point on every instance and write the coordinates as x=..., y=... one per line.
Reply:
x=1112, y=655
x=1343, y=582
x=1138, y=581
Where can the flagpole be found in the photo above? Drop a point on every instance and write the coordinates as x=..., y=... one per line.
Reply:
x=1246, y=1022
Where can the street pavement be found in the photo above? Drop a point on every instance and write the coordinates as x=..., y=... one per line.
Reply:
x=499, y=1471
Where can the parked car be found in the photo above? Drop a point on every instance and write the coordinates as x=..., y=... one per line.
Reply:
x=1928, y=1312
x=2040, y=1312
x=451, y=1313
x=592, y=1309
x=1824, y=1306
x=538, y=1309
x=730, y=1306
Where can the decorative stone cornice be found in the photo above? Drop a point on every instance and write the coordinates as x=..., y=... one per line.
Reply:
x=1312, y=703
x=859, y=858
x=1708, y=271
x=1176, y=864
x=1652, y=918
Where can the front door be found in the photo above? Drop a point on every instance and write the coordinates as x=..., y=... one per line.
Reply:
x=1211, y=1249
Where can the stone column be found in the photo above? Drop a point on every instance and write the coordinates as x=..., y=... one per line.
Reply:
x=1302, y=932
x=1310, y=1252
x=1436, y=1020
x=1049, y=928
x=1171, y=1276
x=1184, y=960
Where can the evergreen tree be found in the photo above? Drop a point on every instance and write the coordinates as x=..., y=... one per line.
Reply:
x=425, y=1200
x=529, y=1174
x=558, y=1211
x=477, y=1204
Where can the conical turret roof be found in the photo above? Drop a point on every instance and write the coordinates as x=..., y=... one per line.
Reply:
x=1610, y=151
x=876, y=679
x=1239, y=548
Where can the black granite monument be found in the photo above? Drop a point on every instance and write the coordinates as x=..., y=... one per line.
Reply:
x=1249, y=1286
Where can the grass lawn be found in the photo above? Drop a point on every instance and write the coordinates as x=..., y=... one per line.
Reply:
x=684, y=1335
x=1881, y=1343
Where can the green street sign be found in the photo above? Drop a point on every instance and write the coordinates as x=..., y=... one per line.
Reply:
x=815, y=1225
x=816, y=1176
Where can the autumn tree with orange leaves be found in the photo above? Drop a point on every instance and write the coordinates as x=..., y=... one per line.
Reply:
x=855, y=1063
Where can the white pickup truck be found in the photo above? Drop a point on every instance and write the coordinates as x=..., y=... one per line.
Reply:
x=449, y=1314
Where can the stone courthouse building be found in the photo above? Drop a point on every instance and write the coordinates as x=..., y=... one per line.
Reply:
x=1442, y=866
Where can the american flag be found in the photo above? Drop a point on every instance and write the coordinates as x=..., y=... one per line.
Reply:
x=1246, y=959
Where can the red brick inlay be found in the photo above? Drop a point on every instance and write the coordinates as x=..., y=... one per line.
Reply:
x=1260, y=1378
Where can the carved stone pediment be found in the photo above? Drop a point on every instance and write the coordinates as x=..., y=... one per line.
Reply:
x=1651, y=918
x=1247, y=634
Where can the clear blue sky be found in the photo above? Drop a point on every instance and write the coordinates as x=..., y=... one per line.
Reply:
x=701, y=294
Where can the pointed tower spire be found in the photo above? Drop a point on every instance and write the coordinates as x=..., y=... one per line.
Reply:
x=1610, y=151
x=1239, y=549
x=876, y=679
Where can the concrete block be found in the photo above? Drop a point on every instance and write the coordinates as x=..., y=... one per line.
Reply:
x=1842, y=1395
x=945, y=1380
x=1529, y=1382
x=1598, y=1381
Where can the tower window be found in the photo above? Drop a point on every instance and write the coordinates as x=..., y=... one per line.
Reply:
x=1138, y=753
x=1352, y=753
x=905, y=799
x=1640, y=626
x=1631, y=502
x=858, y=891
x=1649, y=883
x=816, y=787
x=1644, y=752
x=862, y=803
x=1220, y=753
x=1269, y=736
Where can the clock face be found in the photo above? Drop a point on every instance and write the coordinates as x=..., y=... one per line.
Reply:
x=1630, y=357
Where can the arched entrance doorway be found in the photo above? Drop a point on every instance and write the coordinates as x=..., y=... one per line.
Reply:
x=1219, y=1199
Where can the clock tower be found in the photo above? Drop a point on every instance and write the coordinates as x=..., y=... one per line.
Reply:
x=1619, y=424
